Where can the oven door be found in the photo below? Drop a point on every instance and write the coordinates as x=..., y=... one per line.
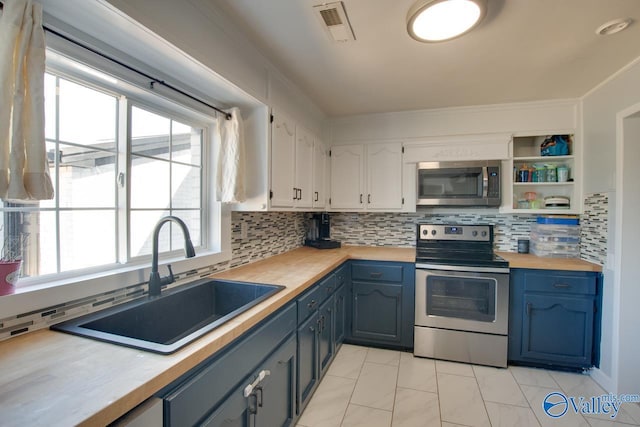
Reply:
x=462, y=298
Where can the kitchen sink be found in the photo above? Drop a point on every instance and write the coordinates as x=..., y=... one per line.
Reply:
x=177, y=317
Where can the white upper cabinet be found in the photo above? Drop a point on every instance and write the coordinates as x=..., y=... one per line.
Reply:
x=319, y=175
x=384, y=176
x=366, y=177
x=303, y=184
x=298, y=162
x=283, y=142
x=347, y=177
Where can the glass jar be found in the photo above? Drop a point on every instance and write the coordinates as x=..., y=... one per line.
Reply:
x=552, y=175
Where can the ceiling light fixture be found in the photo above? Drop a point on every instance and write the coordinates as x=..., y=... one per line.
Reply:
x=440, y=20
x=613, y=27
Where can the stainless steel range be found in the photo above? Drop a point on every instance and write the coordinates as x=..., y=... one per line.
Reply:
x=462, y=295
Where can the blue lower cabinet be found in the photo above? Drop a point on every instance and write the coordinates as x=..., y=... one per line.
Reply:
x=554, y=318
x=234, y=412
x=377, y=312
x=308, y=373
x=340, y=315
x=382, y=303
x=316, y=334
x=326, y=341
x=269, y=402
x=193, y=398
x=274, y=398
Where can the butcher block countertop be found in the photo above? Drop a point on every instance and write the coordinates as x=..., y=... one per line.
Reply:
x=542, y=263
x=52, y=378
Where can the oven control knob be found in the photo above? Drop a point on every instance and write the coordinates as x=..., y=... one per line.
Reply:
x=484, y=234
x=474, y=233
x=433, y=232
x=425, y=232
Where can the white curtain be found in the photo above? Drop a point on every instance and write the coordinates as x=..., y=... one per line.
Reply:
x=231, y=158
x=24, y=171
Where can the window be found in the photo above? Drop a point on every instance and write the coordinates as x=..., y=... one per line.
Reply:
x=118, y=163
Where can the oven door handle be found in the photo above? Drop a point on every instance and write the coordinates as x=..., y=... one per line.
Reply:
x=461, y=268
x=485, y=182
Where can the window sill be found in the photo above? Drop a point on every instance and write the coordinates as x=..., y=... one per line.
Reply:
x=30, y=297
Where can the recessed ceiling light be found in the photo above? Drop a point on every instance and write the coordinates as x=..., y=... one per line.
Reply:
x=440, y=20
x=613, y=27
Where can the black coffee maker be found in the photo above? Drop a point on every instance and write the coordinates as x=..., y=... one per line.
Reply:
x=319, y=233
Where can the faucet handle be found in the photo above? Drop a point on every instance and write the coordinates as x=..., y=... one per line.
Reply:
x=168, y=279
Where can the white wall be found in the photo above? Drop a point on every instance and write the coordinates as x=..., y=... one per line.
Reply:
x=551, y=116
x=619, y=371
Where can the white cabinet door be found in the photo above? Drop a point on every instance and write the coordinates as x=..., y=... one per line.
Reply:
x=347, y=177
x=303, y=169
x=282, y=161
x=319, y=175
x=384, y=176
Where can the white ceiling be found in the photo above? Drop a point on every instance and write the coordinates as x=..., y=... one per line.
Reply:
x=525, y=50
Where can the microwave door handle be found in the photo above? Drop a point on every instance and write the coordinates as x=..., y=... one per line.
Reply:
x=485, y=182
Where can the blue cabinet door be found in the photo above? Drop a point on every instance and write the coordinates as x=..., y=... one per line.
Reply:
x=377, y=312
x=340, y=315
x=326, y=341
x=234, y=412
x=558, y=329
x=275, y=395
x=308, y=365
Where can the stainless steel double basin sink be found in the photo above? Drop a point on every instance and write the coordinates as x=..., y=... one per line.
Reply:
x=172, y=320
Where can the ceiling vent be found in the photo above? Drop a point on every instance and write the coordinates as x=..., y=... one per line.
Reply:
x=333, y=17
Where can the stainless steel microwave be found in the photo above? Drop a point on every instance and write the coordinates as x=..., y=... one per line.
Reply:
x=464, y=183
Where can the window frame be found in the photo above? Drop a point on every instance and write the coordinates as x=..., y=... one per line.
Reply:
x=216, y=218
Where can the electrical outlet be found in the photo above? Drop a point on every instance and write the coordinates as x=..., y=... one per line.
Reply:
x=244, y=228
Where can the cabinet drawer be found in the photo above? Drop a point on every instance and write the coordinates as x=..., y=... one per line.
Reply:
x=559, y=282
x=341, y=275
x=196, y=397
x=309, y=302
x=328, y=287
x=376, y=272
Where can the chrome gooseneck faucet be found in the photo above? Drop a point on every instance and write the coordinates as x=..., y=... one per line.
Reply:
x=155, y=281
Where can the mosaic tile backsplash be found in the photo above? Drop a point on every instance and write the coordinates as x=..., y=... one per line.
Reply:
x=391, y=229
x=268, y=234
x=594, y=228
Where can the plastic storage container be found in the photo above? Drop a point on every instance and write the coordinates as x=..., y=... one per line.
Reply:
x=555, y=237
x=555, y=250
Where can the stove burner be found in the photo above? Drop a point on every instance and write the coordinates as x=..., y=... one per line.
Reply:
x=452, y=244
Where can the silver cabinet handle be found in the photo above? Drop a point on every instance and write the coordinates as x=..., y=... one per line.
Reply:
x=561, y=285
x=376, y=275
x=528, y=309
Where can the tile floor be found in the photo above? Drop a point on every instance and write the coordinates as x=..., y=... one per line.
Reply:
x=371, y=387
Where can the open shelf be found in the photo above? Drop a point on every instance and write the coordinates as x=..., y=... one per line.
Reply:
x=526, y=152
